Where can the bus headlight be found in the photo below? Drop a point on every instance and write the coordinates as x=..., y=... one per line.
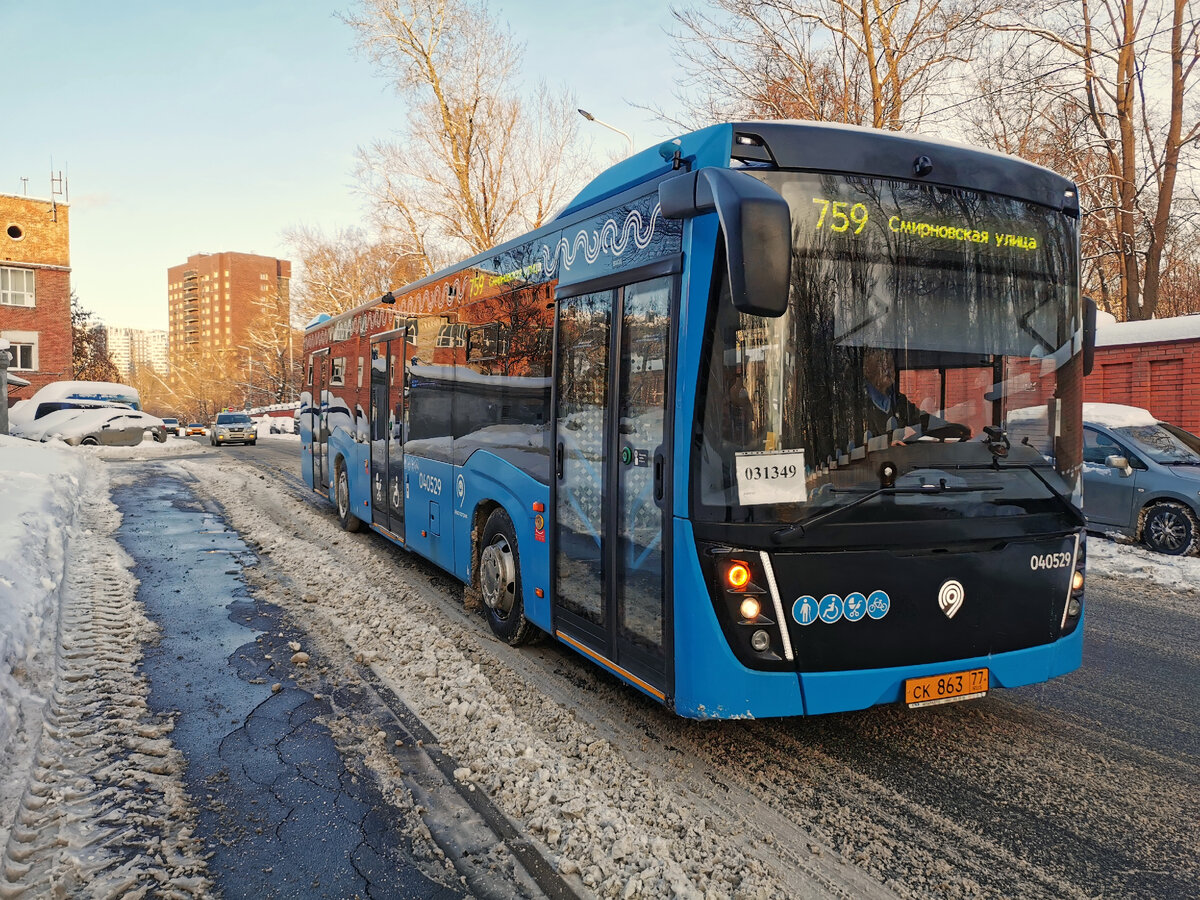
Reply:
x=750, y=609
x=1077, y=582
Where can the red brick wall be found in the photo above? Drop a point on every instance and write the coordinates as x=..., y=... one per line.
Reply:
x=1163, y=377
x=51, y=319
x=35, y=234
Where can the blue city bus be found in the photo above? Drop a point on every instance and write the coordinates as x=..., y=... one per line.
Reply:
x=774, y=419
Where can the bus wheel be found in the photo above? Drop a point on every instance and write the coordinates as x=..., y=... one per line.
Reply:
x=347, y=519
x=500, y=580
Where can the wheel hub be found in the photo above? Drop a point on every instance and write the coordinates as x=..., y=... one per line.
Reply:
x=343, y=493
x=497, y=577
x=1167, y=531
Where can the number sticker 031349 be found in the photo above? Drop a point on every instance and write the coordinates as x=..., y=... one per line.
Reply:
x=773, y=476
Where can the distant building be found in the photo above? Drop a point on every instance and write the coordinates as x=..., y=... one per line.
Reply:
x=136, y=348
x=214, y=299
x=35, y=289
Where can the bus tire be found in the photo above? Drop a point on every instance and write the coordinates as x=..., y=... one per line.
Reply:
x=500, y=580
x=347, y=519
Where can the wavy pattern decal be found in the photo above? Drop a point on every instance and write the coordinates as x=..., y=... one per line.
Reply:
x=611, y=239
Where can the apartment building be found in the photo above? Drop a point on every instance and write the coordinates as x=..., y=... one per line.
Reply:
x=215, y=299
x=35, y=290
x=132, y=349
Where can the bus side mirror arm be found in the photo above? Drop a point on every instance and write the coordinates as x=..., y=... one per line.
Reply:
x=757, y=226
x=1089, y=335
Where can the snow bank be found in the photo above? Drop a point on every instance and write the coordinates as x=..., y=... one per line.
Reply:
x=39, y=493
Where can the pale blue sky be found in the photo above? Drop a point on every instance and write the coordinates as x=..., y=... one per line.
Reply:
x=214, y=126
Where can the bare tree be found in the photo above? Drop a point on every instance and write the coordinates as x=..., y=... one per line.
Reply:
x=90, y=360
x=338, y=273
x=1133, y=62
x=477, y=163
x=1037, y=119
x=862, y=62
x=272, y=342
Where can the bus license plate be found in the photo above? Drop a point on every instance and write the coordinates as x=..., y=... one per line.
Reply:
x=950, y=688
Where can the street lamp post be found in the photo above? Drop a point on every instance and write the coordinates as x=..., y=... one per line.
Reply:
x=587, y=115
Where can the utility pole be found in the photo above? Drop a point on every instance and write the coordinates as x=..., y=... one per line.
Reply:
x=4, y=357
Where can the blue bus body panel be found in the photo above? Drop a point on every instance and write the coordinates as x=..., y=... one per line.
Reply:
x=707, y=147
x=484, y=476
x=710, y=682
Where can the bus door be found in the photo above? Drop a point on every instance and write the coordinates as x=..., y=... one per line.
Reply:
x=319, y=419
x=611, y=379
x=387, y=431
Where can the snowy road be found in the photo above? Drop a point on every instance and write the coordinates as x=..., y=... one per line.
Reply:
x=1086, y=786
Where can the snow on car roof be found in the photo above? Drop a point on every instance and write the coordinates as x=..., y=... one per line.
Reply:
x=1115, y=415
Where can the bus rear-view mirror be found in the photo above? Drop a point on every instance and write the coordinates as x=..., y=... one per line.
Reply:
x=757, y=227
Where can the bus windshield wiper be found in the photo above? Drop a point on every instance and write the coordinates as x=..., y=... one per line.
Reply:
x=1072, y=511
x=796, y=529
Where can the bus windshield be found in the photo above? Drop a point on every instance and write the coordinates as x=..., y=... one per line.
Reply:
x=919, y=316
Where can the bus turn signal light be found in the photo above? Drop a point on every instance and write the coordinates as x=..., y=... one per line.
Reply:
x=738, y=575
x=1077, y=581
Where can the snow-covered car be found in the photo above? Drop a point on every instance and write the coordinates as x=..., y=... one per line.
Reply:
x=108, y=425
x=73, y=394
x=1141, y=477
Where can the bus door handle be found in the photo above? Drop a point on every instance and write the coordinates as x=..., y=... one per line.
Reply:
x=558, y=460
x=660, y=473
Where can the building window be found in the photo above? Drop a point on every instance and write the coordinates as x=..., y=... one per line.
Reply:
x=23, y=356
x=337, y=374
x=16, y=287
x=22, y=349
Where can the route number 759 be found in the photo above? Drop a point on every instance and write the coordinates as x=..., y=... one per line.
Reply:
x=839, y=219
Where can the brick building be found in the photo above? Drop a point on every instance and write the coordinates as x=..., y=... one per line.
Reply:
x=214, y=299
x=35, y=290
x=1154, y=365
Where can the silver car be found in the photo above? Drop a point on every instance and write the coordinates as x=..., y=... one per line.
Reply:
x=231, y=428
x=108, y=425
x=1141, y=477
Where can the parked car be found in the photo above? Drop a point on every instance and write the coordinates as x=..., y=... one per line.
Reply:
x=106, y=425
x=195, y=428
x=1141, y=477
x=172, y=426
x=73, y=395
x=233, y=428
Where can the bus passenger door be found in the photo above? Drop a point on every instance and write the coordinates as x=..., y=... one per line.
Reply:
x=610, y=460
x=387, y=440
x=319, y=419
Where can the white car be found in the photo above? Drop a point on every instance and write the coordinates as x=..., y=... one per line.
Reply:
x=107, y=425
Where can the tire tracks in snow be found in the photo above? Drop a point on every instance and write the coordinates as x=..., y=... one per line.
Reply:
x=104, y=812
